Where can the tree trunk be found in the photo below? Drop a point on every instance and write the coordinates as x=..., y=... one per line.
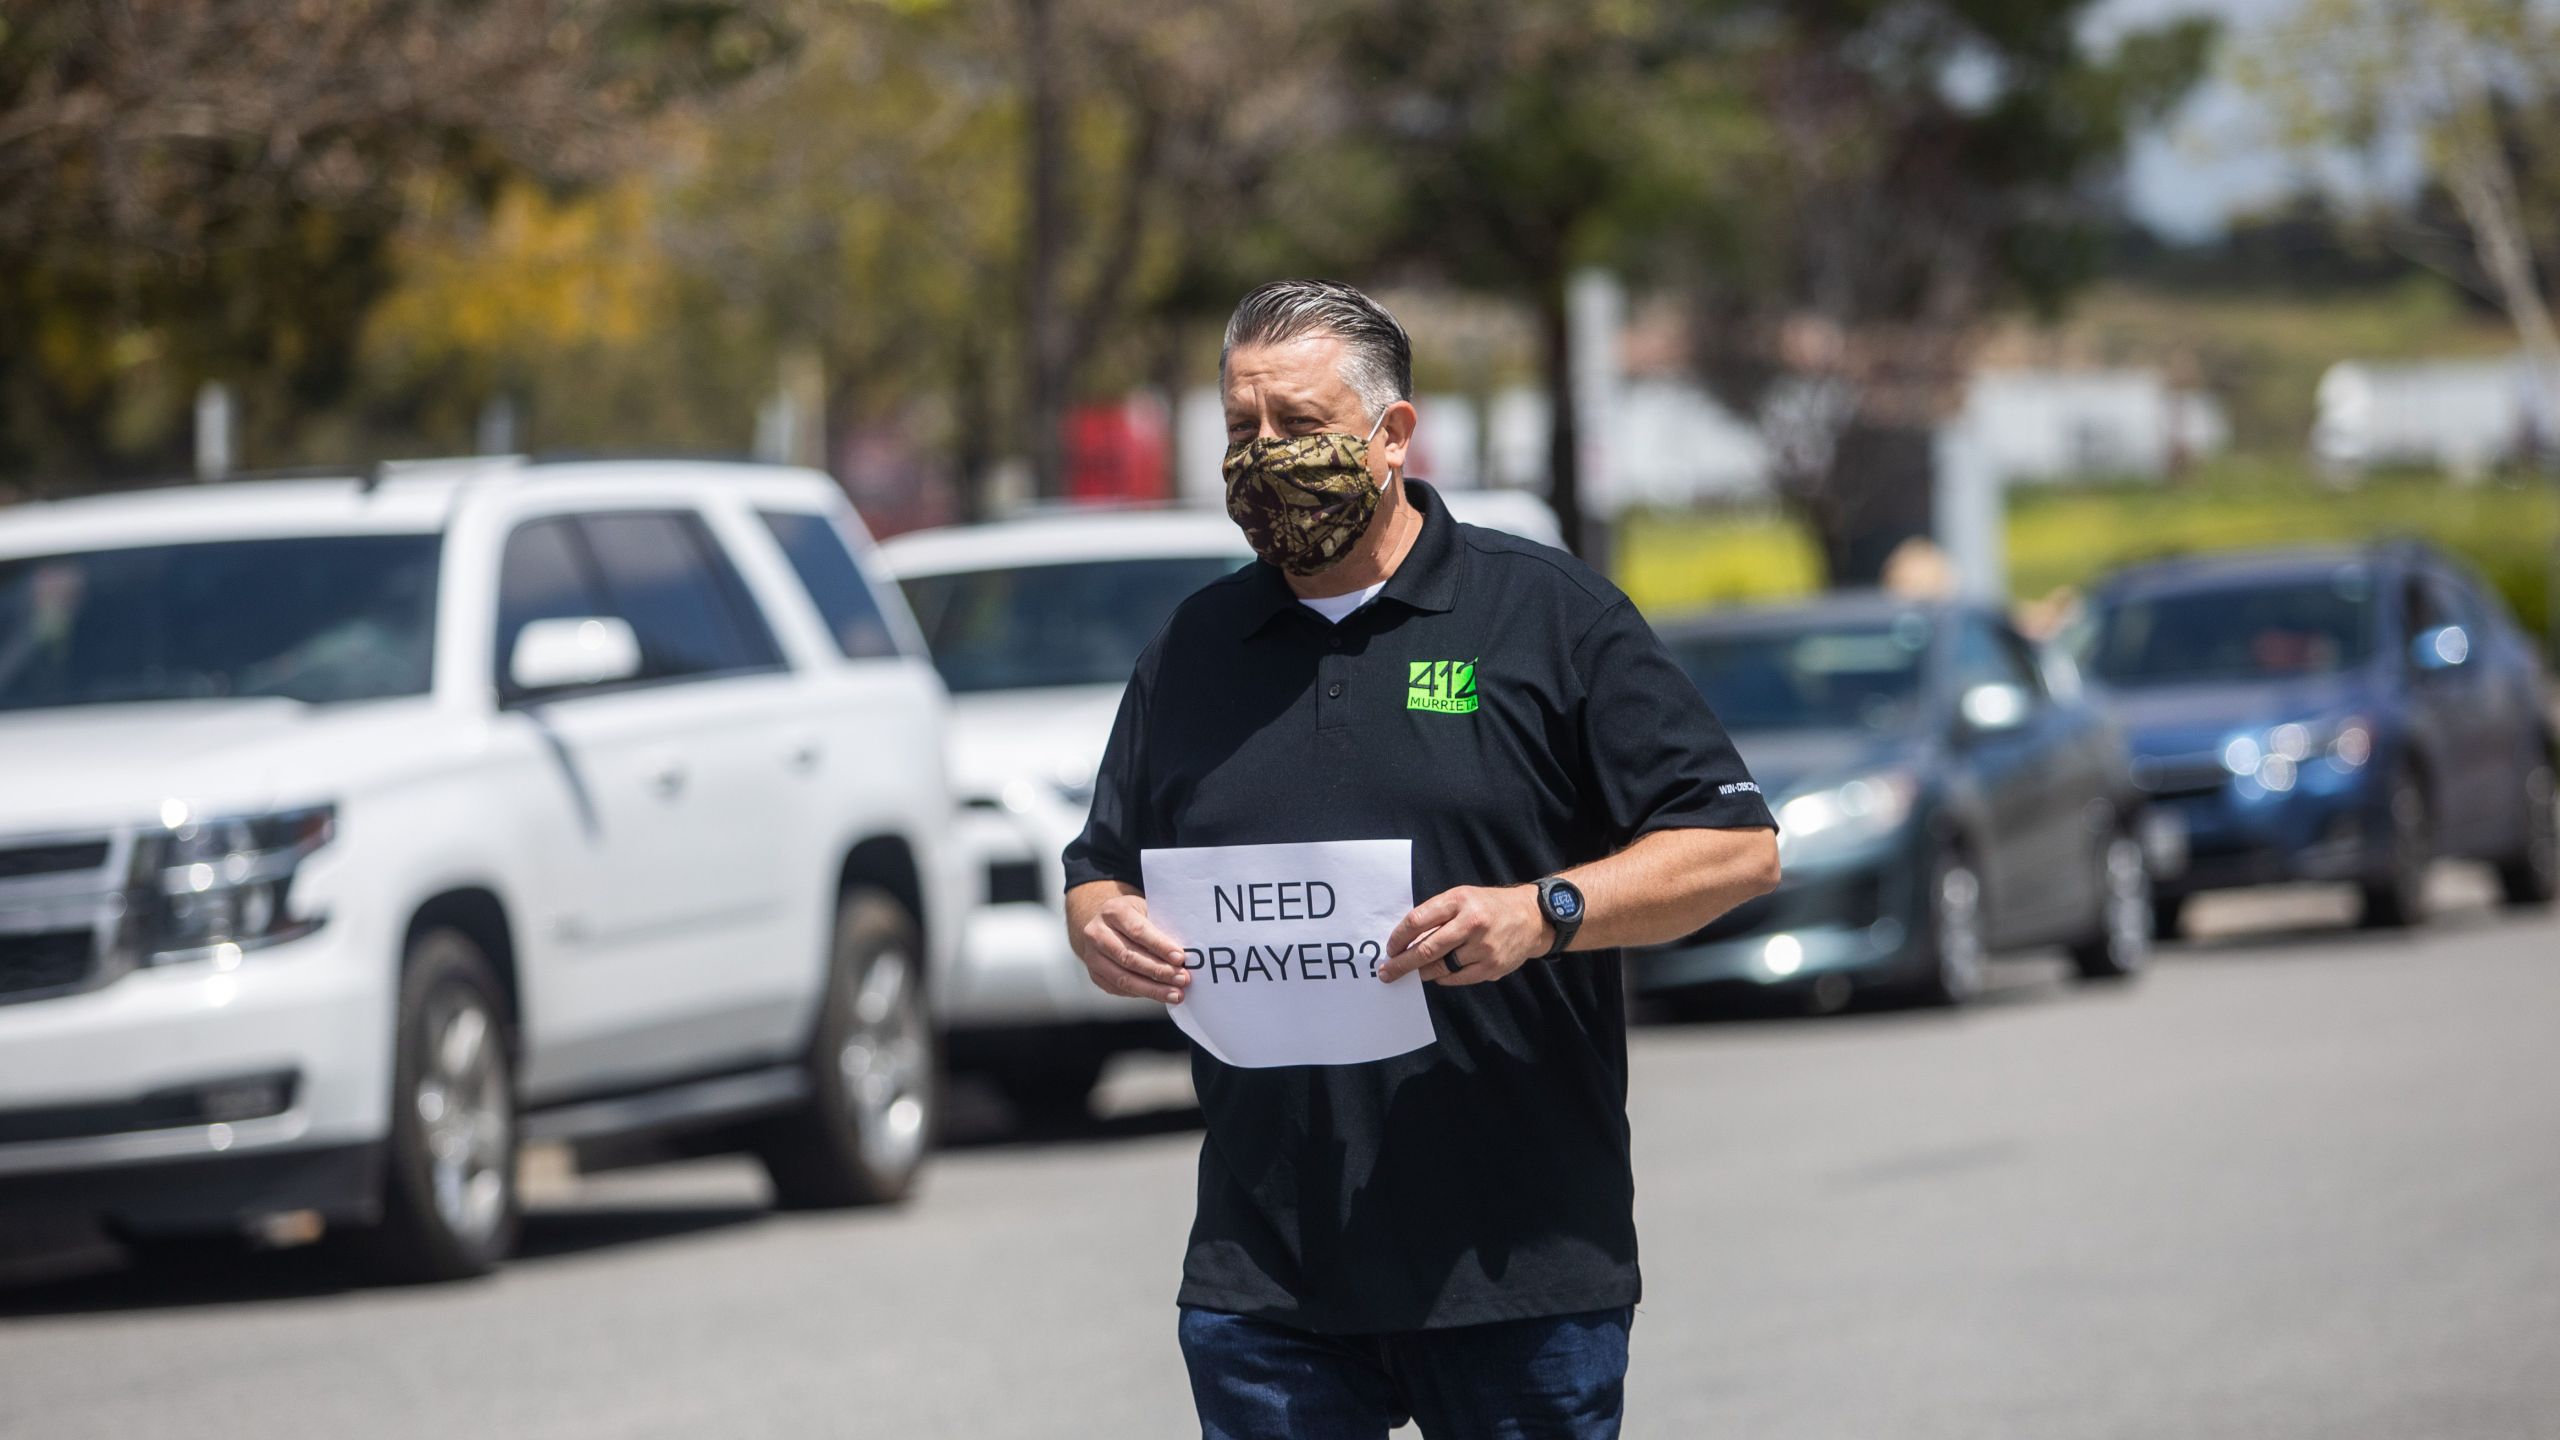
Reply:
x=837, y=429
x=973, y=452
x=1043, y=349
x=1564, y=437
x=1878, y=494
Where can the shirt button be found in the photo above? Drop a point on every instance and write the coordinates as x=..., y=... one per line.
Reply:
x=1333, y=691
x=1333, y=642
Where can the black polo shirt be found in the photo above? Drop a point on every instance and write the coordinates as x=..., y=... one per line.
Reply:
x=1503, y=707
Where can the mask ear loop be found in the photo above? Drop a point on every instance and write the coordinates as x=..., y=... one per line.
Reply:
x=1395, y=473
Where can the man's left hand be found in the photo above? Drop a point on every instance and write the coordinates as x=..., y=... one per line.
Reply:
x=1489, y=931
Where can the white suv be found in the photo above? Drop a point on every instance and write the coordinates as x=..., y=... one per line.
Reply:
x=1036, y=622
x=352, y=831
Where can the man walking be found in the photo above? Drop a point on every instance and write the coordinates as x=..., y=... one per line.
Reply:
x=1446, y=1235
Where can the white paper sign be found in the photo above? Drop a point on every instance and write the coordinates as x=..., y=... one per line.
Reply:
x=1284, y=944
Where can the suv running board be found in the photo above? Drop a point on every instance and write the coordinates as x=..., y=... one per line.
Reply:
x=722, y=1097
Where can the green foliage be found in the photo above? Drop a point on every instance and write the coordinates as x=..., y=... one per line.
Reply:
x=214, y=189
x=626, y=215
x=1670, y=561
x=2060, y=538
x=2072, y=537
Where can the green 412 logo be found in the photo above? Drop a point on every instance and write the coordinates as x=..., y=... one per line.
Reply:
x=1445, y=686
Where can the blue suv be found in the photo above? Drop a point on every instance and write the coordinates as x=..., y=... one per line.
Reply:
x=2329, y=714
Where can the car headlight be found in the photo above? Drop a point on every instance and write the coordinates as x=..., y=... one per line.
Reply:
x=2275, y=758
x=211, y=888
x=1817, y=824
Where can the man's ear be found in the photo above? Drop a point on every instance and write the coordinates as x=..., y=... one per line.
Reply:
x=1395, y=434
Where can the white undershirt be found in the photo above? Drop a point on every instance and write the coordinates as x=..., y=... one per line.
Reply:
x=1335, y=607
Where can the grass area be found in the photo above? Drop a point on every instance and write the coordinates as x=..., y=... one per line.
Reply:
x=2073, y=537
x=1669, y=561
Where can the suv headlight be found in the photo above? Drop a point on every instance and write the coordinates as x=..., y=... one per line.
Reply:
x=2275, y=758
x=209, y=889
x=1816, y=825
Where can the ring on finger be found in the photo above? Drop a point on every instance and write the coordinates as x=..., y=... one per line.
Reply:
x=1450, y=960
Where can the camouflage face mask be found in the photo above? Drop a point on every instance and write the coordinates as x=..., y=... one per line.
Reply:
x=1305, y=500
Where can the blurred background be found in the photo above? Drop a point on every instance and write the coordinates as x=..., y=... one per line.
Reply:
x=1730, y=282
x=2101, y=458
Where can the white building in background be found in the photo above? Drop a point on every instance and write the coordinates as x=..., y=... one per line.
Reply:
x=2060, y=426
x=2459, y=416
x=1671, y=445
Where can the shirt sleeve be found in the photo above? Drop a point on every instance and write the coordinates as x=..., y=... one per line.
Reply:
x=1659, y=758
x=1120, y=823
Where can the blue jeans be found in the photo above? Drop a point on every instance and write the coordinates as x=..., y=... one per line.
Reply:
x=1560, y=1377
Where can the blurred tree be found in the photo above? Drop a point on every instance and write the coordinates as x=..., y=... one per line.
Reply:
x=858, y=204
x=940, y=195
x=1214, y=109
x=206, y=188
x=569, y=310
x=2477, y=82
x=1931, y=160
x=1518, y=142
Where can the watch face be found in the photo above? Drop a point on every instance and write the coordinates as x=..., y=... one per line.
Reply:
x=1566, y=902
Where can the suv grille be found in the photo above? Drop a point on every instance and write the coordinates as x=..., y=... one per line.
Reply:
x=42, y=963
x=20, y=861
x=1013, y=881
x=2167, y=775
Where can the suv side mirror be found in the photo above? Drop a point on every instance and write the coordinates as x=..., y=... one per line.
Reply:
x=557, y=654
x=1989, y=709
x=2441, y=648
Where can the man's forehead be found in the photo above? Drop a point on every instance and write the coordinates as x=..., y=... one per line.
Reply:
x=1308, y=367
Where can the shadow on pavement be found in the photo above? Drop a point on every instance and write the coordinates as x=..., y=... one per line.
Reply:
x=100, y=1278
x=2305, y=921
x=1142, y=1096
x=88, y=1273
x=1082, y=1130
x=559, y=1231
x=69, y=1268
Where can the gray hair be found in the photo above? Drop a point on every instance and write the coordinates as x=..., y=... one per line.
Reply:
x=1377, y=356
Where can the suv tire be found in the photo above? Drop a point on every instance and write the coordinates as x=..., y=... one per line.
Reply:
x=449, y=1208
x=2396, y=897
x=875, y=1082
x=2531, y=875
x=2120, y=945
x=1956, y=953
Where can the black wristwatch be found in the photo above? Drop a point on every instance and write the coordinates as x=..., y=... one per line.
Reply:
x=1560, y=900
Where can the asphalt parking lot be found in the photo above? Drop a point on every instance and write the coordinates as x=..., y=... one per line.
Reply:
x=2297, y=1182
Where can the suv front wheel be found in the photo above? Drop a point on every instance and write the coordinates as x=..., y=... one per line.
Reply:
x=874, y=1074
x=449, y=1187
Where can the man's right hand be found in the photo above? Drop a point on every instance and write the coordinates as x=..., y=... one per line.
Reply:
x=1122, y=950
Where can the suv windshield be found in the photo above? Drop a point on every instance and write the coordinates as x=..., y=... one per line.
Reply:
x=322, y=618
x=1846, y=677
x=2232, y=632
x=1032, y=626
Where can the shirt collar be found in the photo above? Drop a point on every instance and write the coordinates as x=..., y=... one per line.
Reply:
x=1426, y=579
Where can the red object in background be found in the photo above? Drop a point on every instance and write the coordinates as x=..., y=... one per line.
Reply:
x=1122, y=451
